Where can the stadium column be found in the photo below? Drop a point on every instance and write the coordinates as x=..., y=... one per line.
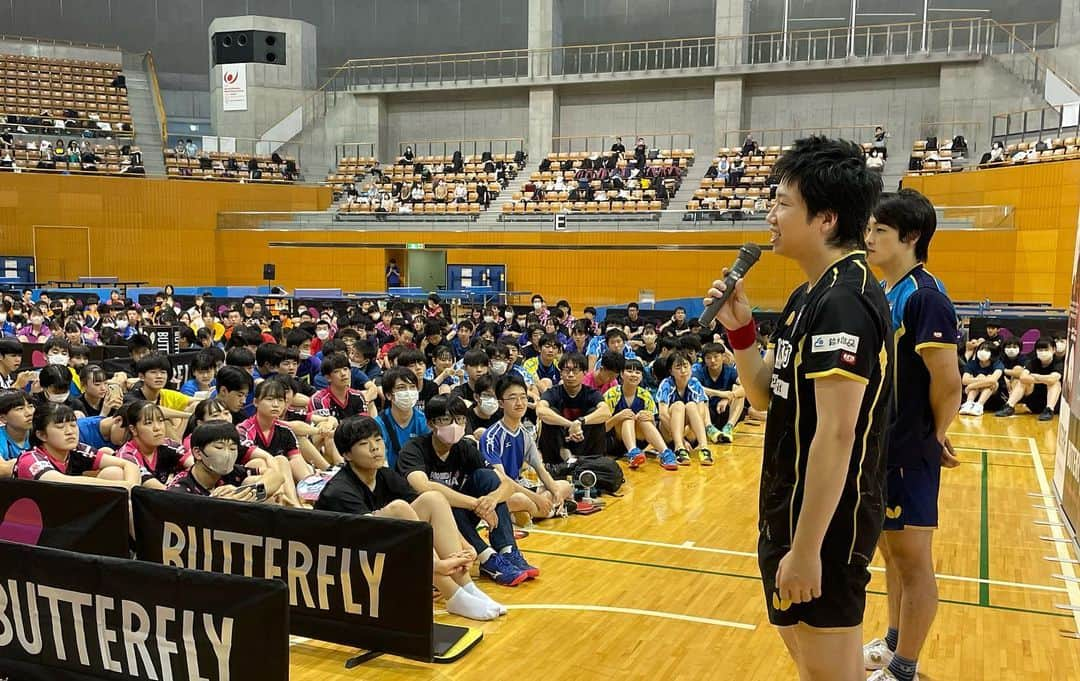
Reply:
x=732, y=25
x=545, y=34
x=1069, y=24
x=727, y=112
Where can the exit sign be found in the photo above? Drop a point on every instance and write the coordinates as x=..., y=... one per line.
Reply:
x=414, y=247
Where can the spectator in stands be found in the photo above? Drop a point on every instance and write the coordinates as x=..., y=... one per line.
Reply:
x=366, y=485
x=254, y=173
x=1060, y=346
x=618, y=147
x=402, y=419
x=446, y=462
x=181, y=149
x=1039, y=386
x=749, y=145
x=416, y=193
x=441, y=191
x=407, y=157
x=89, y=160
x=639, y=154
x=215, y=447
x=875, y=162
x=190, y=150
x=461, y=193
x=1013, y=361
x=984, y=381
x=7, y=140
x=683, y=405
x=17, y=414
x=879, y=142
x=37, y=331
x=6, y=161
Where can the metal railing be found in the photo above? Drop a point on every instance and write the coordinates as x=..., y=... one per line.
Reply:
x=780, y=137
x=159, y=104
x=50, y=41
x=353, y=150
x=962, y=218
x=1029, y=125
x=602, y=141
x=467, y=147
x=973, y=35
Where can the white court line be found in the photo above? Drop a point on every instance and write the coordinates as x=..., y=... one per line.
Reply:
x=749, y=554
x=628, y=611
x=1071, y=588
x=991, y=450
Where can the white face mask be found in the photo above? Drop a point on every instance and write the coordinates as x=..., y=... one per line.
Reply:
x=537, y=305
x=375, y=316
x=487, y=406
x=406, y=399
x=508, y=315
x=487, y=319
x=121, y=324
x=322, y=334
x=1012, y=353
x=53, y=397
x=58, y=359
x=1045, y=355
x=305, y=355
x=498, y=367
x=3, y=317
x=1059, y=347
x=983, y=355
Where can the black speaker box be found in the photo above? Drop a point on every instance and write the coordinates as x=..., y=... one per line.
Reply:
x=269, y=272
x=248, y=47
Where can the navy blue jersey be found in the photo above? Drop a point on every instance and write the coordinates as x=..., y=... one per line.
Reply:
x=922, y=317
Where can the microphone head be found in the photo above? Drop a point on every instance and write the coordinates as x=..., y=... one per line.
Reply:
x=750, y=252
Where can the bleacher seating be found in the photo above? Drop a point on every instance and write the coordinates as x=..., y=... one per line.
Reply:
x=39, y=92
x=750, y=193
x=1056, y=149
x=395, y=179
x=109, y=159
x=543, y=194
x=214, y=165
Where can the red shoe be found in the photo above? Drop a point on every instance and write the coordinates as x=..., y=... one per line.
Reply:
x=636, y=458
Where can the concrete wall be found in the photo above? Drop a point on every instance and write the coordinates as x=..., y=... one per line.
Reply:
x=978, y=91
x=629, y=108
x=32, y=49
x=494, y=114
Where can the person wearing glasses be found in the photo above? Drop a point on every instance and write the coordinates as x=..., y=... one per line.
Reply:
x=573, y=415
x=509, y=447
x=447, y=462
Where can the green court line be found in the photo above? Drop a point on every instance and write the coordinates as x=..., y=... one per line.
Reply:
x=756, y=578
x=984, y=535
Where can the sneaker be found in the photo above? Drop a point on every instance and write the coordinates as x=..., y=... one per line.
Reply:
x=886, y=675
x=668, y=461
x=1046, y=415
x=636, y=457
x=965, y=409
x=515, y=558
x=1005, y=411
x=876, y=655
x=712, y=434
x=727, y=433
x=501, y=571
x=682, y=457
x=976, y=409
x=705, y=454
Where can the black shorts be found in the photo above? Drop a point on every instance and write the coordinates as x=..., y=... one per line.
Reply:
x=842, y=600
x=911, y=492
x=1036, y=401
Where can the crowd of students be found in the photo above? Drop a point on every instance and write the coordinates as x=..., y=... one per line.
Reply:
x=401, y=413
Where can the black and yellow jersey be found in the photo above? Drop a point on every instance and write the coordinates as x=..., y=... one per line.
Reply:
x=838, y=327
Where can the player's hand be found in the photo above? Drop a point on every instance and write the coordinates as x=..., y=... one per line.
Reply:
x=798, y=577
x=643, y=416
x=452, y=565
x=484, y=506
x=543, y=504
x=948, y=455
x=736, y=312
x=466, y=550
x=625, y=414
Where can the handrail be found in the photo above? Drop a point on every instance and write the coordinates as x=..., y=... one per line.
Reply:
x=1035, y=56
x=52, y=41
x=477, y=145
x=763, y=134
x=159, y=103
x=557, y=140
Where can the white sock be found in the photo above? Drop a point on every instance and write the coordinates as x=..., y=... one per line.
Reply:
x=507, y=549
x=485, y=554
x=466, y=605
x=475, y=591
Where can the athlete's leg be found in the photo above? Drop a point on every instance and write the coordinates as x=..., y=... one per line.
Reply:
x=984, y=395
x=696, y=416
x=911, y=558
x=828, y=654
x=647, y=431
x=1053, y=392
x=677, y=423
x=627, y=434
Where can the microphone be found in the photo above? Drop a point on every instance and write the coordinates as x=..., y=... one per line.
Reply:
x=748, y=255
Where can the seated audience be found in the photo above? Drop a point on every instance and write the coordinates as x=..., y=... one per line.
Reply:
x=984, y=382
x=1039, y=386
x=683, y=411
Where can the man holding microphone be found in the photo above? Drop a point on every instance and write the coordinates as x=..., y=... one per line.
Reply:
x=826, y=383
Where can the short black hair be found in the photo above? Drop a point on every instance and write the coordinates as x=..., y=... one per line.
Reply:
x=92, y=373
x=550, y=339
x=613, y=362
x=712, y=349
x=139, y=341
x=240, y=357
x=202, y=361
x=831, y=176
x=483, y=382
x=443, y=405
x=47, y=414
x=296, y=338
x=54, y=376
x=270, y=389
x=679, y=357
x=909, y=212
x=154, y=360
x=1044, y=343
x=410, y=356
x=509, y=380
x=269, y=354
x=366, y=349
x=134, y=412
x=233, y=378
x=476, y=358
x=353, y=430
x=9, y=399
x=614, y=332
x=634, y=365
x=575, y=358
x=333, y=363
x=10, y=346
x=395, y=374
x=214, y=431
x=442, y=352
x=79, y=350
x=57, y=342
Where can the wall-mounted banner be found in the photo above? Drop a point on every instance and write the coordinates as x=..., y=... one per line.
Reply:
x=72, y=617
x=234, y=88
x=353, y=580
x=77, y=518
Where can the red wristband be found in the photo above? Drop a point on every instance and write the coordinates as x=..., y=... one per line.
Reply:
x=741, y=339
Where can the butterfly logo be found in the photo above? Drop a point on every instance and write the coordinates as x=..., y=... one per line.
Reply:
x=892, y=513
x=780, y=604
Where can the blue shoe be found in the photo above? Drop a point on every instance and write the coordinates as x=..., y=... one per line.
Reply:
x=501, y=571
x=667, y=460
x=636, y=457
x=515, y=558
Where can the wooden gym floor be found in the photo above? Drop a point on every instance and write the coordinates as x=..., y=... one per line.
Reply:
x=663, y=583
